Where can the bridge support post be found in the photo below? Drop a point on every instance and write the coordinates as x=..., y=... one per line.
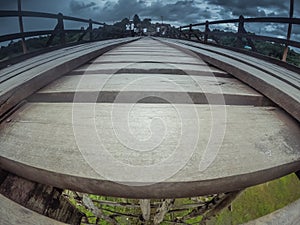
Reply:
x=242, y=31
x=43, y=199
x=180, y=32
x=91, y=29
x=59, y=29
x=21, y=27
x=190, y=31
x=207, y=30
x=288, y=37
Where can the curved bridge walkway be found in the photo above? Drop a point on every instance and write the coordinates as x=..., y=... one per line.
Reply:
x=149, y=118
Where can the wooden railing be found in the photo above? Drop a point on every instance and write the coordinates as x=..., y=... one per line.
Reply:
x=59, y=29
x=189, y=31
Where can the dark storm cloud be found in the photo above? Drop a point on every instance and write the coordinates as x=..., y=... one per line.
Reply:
x=259, y=8
x=252, y=8
x=121, y=9
x=178, y=12
x=77, y=6
x=182, y=11
x=10, y=25
x=246, y=4
x=8, y=5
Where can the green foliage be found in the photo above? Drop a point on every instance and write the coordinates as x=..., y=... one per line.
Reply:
x=33, y=44
x=118, y=30
x=270, y=49
x=293, y=58
x=252, y=203
x=274, y=50
x=261, y=200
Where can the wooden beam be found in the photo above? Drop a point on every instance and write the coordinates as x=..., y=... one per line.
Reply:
x=286, y=50
x=21, y=27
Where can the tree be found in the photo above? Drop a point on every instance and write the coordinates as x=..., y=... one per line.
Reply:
x=146, y=23
x=122, y=24
x=136, y=20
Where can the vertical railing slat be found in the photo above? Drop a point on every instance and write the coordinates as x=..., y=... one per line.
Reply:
x=21, y=25
x=289, y=33
x=207, y=30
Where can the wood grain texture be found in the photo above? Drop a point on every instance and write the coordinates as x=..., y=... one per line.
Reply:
x=13, y=213
x=278, y=84
x=18, y=84
x=114, y=144
x=40, y=139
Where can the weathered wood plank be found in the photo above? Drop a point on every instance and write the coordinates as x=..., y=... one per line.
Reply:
x=145, y=58
x=150, y=68
x=153, y=88
x=150, y=150
x=31, y=63
x=39, y=143
x=13, y=213
x=278, y=84
x=43, y=199
x=146, y=82
x=271, y=68
x=17, y=88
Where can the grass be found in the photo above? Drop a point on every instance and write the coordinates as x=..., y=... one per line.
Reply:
x=260, y=200
x=253, y=203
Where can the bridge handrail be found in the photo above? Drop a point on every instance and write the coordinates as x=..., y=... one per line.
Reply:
x=12, y=13
x=250, y=20
x=242, y=33
x=58, y=30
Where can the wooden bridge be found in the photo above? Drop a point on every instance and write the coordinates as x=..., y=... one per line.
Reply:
x=147, y=118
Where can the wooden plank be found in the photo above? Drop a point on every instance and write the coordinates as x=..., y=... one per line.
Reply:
x=33, y=62
x=271, y=68
x=42, y=199
x=150, y=68
x=154, y=88
x=282, y=89
x=146, y=58
x=39, y=143
x=146, y=46
x=157, y=97
x=146, y=82
x=13, y=213
x=173, y=71
x=137, y=50
x=157, y=88
x=26, y=83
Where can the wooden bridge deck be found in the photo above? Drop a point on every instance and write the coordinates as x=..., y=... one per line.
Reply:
x=148, y=119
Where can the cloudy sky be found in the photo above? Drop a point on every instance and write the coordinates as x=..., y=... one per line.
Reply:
x=180, y=12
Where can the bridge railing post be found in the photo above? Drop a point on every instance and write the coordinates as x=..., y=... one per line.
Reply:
x=58, y=30
x=61, y=29
x=207, y=30
x=180, y=32
x=91, y=29
x=288, y=37
x=241, y=30
x=190, y=31
x=21, y=25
